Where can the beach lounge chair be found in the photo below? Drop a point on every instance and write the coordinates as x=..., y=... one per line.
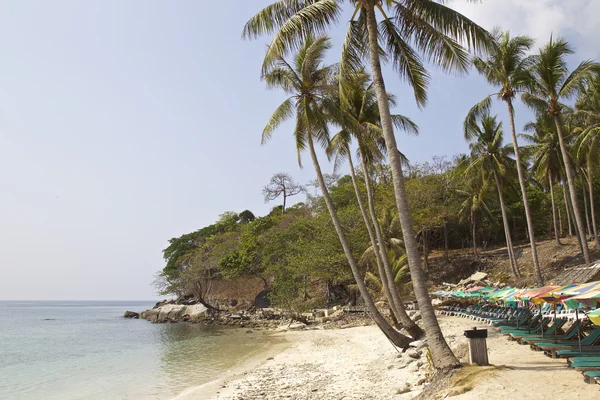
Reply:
x=548, y=332
x=592, y=376
x=576, y=353
x=587, y=343
x=571, y=333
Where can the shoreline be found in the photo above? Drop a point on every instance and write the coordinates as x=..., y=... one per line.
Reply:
x=358, y=363
x=212, y=388
x=321, y=364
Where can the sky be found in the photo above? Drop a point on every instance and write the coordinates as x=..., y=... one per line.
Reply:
x=126, y=123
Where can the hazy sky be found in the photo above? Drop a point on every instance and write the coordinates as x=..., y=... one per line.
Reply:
x=124, y=123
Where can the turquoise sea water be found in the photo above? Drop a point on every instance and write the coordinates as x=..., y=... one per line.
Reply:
x=86, y=350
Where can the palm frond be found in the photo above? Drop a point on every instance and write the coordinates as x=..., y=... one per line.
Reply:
x=405, y=60
x=284, y=112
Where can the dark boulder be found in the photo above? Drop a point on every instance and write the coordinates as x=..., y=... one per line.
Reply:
x=262, y=299
x=131, y=315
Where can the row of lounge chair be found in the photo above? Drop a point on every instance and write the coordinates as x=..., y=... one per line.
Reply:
x=566, y=336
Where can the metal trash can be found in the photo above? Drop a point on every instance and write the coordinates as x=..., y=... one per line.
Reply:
x=478, y=353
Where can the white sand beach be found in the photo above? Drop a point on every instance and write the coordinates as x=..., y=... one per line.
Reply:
x=360, y=363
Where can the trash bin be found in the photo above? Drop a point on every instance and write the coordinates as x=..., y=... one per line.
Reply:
x=477, y=339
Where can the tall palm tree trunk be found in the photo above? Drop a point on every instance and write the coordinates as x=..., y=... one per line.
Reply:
x=554, y=219
x=560, y=223
x=411, y=327
x=577, y=234
x=586, y=209
x=474, y=233
x=511, y=253
x=530, y=231
x=378, y=260
x=568, y=208
x=572, y=189
x=441, y=354
x=590, y=182
x=446, y=256
x=395, y=337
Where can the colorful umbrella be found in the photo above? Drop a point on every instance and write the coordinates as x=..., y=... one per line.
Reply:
x=528, y=295
x=590, y=298
x=577, y=291
x=594, y=316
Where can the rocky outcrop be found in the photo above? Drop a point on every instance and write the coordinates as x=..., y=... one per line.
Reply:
x=131, y=315
x=176, y=313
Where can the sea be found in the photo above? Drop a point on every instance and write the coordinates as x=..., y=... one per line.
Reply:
x=75, y=350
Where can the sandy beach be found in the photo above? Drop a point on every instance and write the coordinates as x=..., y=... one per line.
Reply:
x=360, y=363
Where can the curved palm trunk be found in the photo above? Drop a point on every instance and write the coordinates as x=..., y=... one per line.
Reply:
x=511, y=253
x=395, y=302
x=571, y=182
x=396, y=337
x=411, y=327
x=441, y=354
x=554, y=219
x=592, y=208
x=531, y=233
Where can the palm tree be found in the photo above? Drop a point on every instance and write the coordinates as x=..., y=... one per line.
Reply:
x=547, y=159
x=506, y=66
x=307, y=83
x=406, y=28
x=588, y=139
x=473, y=206
x=490, y=158
x=363, y=111
x=548, y=84
x=399, y=271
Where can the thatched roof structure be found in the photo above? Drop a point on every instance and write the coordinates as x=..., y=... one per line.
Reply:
x=580, y=274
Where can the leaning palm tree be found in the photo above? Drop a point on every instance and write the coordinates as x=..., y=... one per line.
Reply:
x=506, y=67
x=547, y=159
x=363, y=111
x=405, y=29
x=491, y=159
x=549, y=83
x=307, y=82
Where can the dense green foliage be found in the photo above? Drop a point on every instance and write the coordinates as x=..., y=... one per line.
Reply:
x=298, y=254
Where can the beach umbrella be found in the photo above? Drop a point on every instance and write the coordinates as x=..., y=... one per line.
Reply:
x=493, y=296
x=530, y=294
x=553, y=297
x=590, y=298
x=594, y=316
x=577, y=291
x=568, y=301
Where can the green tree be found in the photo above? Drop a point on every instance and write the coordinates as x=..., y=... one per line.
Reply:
x=407, y=28
x=548, y=84
x=506, y=66
x=547, y=159
x=362, y=110
x=490, y=158
x=306, y=81
x=588, y=139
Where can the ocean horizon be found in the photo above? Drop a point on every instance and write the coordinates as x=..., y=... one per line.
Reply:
x=70, y=349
